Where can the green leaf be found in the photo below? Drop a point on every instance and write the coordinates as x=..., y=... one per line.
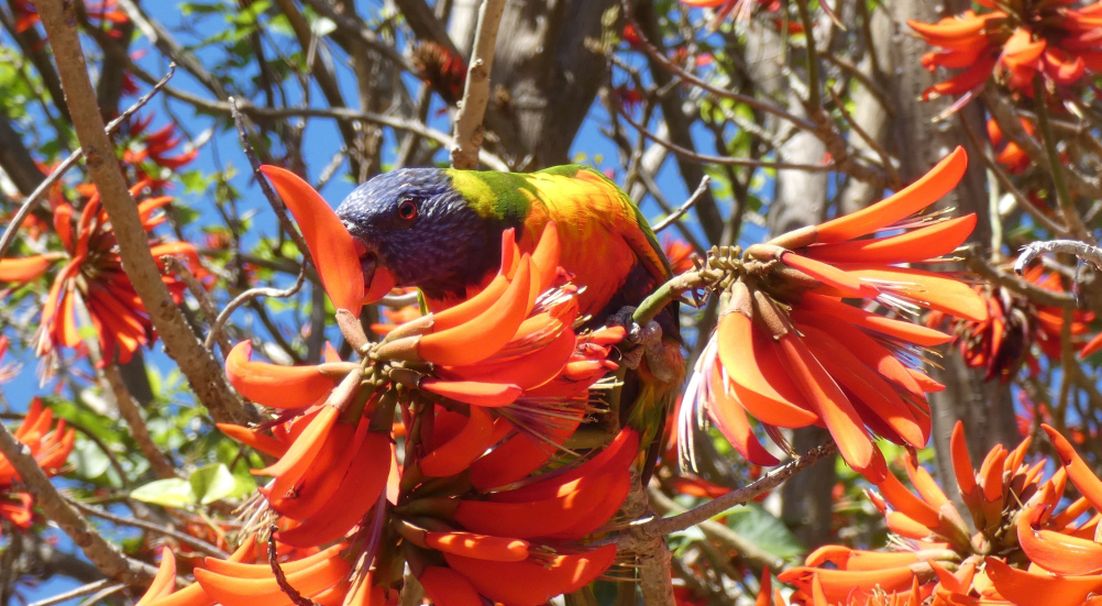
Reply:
x=89, y=461
x=215, y=482
x=172, y=492
x=763, y=529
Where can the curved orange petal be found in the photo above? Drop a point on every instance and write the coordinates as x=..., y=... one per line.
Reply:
x=274, y=385
x=1023, y=587
x=1079, y=472
x=331, y=246
x=757, y=375
x=24, y=269
x=912, y=246
x=446, y=587
x=533, y=583
x=475, y=393
x=940, y=180
x=826, y=398
x=460, y=451
x=478, y=546
x=478, y=338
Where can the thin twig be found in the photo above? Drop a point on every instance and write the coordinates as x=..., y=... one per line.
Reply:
x=204, y=374
x=1005, y=181
x=1086, y=252
x=247, y=296
x=77, y=592
x=200, y=544
x=274, y=200
x=1041, y=296
x=1056, y=168
x=28, y=205
x=656, y=55
x=740, y=496
x=697, y=194
x=131, y=412
x=710, y=159
x=476, y=90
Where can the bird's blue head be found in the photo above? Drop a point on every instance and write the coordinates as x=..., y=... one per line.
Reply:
x=415, y=224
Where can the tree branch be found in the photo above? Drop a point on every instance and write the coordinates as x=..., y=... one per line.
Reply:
x=197, y=364
x=105, y=556
x=476, y=90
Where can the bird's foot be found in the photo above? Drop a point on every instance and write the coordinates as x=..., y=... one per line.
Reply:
x=641, y=340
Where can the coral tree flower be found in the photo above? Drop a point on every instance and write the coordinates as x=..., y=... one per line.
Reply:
x=1014, y=42
x=91, y=277
x=156, y=148
x=790, y=352
x=1031, y=540
x=50, y=446
x=488, y=391
x=1005, y=340
x=248, y=577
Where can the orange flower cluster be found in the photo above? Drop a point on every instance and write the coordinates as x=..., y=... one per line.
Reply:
x=105, y=14
x=1003, y=341
x=789, y=350
x=92, y=281
x=156, y=147
x=1009, y=153
x=1015, y=42
x=50, y=446
x=488, y=391
x=1029, y=541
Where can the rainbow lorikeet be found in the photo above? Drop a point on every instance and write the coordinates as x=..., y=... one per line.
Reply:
x=440, y=231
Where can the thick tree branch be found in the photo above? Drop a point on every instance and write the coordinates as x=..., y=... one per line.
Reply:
x=202, y=371
x=476, y=90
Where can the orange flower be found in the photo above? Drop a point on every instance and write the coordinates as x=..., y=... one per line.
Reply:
x=679, y=253
x=1015, y=43
x=247, y=577
x=1031, y=541
x=92, y=280
x=155, y=147
x=1008, y=153
x=1003, y=341
x=50, y=446
x=105, y=14
x=788, y=350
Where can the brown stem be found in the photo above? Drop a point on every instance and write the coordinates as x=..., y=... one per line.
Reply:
x=131, y=412
x=476, y=90
x=197, y=364
x=740, y=496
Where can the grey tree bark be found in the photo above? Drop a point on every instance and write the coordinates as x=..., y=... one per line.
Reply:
x=918, y=141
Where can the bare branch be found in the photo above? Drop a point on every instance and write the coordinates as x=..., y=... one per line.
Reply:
x=697, y=194
x=202, y=371
x=131, y=412
x=247, y=296
x=476, y=90
x=1086, y=252
x=740, y=496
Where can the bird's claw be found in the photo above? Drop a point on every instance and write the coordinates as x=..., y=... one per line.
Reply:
x=641, y=340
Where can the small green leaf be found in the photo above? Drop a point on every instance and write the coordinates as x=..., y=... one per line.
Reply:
x=212, y=483
x=763, y=529
x=172, y=492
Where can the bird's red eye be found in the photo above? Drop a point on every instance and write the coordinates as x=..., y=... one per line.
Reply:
x=407, y=210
